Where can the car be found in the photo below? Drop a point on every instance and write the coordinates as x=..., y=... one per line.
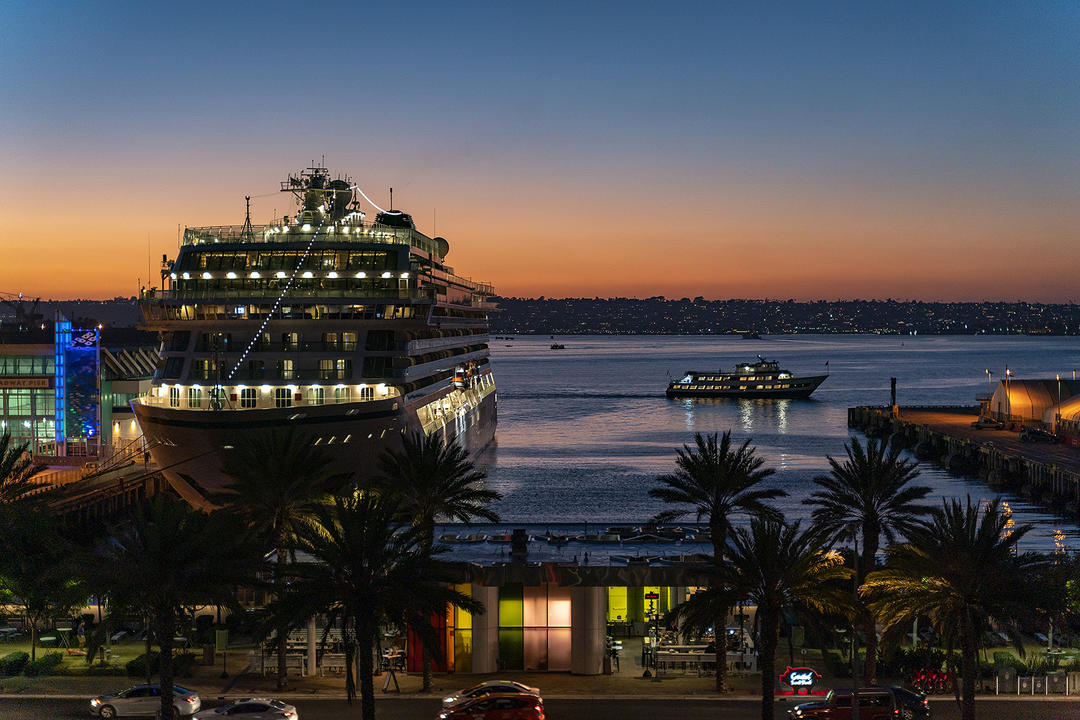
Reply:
x=875, y=703
x=144, y=700
x=486, y=688
x=987, y=423
x=497, y=706
x=1034, y=434
x=251, y=708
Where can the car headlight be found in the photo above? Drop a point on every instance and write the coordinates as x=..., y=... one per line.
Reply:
x=95, y=702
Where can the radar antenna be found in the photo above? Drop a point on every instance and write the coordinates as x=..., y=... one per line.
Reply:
x=247, y=232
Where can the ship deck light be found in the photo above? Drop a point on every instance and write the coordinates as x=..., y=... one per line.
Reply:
x=280, y=274
x=231, y=275
x=307, y=274
x=386, y=274
x=331, y=274
x=265, y=388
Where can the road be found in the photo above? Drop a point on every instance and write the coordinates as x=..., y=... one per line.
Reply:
x=583, y=709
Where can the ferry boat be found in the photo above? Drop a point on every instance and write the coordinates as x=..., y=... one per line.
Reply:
x=351, y=331
x=761, y=379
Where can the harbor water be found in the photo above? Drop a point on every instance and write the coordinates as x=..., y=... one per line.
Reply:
x=584, y=431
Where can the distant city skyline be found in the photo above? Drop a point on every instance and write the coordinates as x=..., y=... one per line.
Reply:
x=753, y=150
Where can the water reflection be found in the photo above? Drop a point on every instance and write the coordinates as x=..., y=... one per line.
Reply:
x=768, y=413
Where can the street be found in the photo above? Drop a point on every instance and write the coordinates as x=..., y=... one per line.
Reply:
x=575, y=709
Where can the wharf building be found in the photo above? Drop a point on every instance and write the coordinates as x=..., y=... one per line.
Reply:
x=66, y=395
x=565, y=603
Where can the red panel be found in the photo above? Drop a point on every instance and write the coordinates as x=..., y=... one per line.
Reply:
x=414, y=653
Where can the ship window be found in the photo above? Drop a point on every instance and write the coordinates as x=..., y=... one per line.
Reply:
x=330, y=341
x=174, y=397
x=194, y=397
x=315, y=396
x=343, y=367
x=285, y=370
x=282, y=397
x=687, y=379
x=342, y=394
x=785, y=385
x=760, y=387
x=367, y=392
x=248, y=398
x=348, y=340
x=742, y=387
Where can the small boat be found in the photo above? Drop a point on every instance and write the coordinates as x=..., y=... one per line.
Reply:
x=558, y=346
x=761, y=379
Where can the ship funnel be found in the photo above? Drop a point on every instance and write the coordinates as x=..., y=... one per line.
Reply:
x=338, y=197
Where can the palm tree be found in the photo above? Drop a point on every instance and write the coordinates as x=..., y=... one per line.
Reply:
x=715, y=481
x=433, y=482
x=865, y=497
x=368, y=570
x=777, y=565
x=279, y=478
x=17, y=467
x=960, y=567
x=169, y=557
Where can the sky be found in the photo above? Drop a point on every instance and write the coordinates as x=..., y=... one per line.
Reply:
x=808, y=150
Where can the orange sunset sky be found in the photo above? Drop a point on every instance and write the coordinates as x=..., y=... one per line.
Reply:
x=919, y=152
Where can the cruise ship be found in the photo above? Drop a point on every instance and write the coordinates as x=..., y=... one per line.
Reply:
x=352, y=331
x=760, y=379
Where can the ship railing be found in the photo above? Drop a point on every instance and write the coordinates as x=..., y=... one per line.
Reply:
x=361, y=232
x=358, y=296
x=335, y=392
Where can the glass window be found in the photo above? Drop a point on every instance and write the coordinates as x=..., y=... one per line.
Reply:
x=367, y=392
x=342, y=394
x=174, y=397
x=282, y=397
x=18, y=402
x=248, y=398
x=315, y=396
x=285, y=370
x=194, y=397
x=343, y=368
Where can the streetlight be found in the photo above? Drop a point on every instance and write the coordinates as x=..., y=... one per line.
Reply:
x=989, y=386
x=853, y=529
x=1057, y=412
x=1008, y=393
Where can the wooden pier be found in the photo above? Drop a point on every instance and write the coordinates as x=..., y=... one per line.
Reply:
x=1047, y=474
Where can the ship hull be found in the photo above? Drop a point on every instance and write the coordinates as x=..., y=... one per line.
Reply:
x=189, y=447
x=802, y=388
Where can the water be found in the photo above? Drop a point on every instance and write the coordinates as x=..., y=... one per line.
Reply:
x=583, y=432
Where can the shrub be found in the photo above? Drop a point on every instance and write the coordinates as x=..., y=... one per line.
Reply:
x=47, y=664
x=183, y=665
x=136, y=667
x=13, y=663
x=104, y=671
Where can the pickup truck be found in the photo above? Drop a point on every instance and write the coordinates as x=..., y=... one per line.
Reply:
x=875, y=703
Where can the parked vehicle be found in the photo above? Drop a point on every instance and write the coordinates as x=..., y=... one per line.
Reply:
x=144, y=700
x=497, y=706
x=488, y=687
x=987, y=423
x=1034, y=434
x=875, y=703
x=251, y=708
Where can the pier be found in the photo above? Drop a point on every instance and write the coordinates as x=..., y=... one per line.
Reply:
x=1047, y=474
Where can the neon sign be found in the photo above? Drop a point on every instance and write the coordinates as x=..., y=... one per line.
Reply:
x=801, y=680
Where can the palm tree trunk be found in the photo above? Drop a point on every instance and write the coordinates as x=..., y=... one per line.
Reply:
x=166, y=630
x=869, y=622
x=770, y=624
x=33, y=641
x=427, y=545
x=718, y=532
x=147, y=655
x=968, y=667
x=282, y=631
x=350, y=677
x=367, y=671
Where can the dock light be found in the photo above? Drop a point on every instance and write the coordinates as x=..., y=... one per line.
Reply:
x=231, y=275
x=254, y=275
x=307, y=274
x=265, y=388
x=386, y=274
x=280, y=274
x=361, y=275
x=206, y=276
x=404, y=276
x=331, y=275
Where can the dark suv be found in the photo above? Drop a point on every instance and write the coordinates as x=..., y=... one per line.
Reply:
x=1034, y=434
x=875, y=703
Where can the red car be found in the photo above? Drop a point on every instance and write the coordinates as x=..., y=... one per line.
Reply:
x=497, y=706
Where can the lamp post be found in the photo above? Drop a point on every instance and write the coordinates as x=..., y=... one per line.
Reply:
x=1057, y=411
x=989, y=386
x=1008, y=394
x=853, y=528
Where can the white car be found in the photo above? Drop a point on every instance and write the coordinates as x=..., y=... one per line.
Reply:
x=488, y=687
x=144, y=700
x=251, y=708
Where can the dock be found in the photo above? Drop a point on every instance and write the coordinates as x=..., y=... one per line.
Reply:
x=1047, y=474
